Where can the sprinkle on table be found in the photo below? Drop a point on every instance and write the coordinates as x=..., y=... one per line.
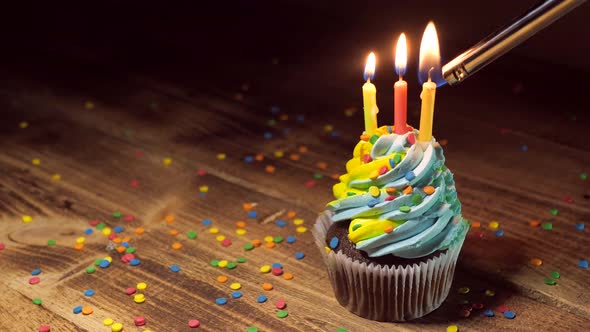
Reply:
x=282, y=314
x=193, y=323
x=536, y=261
x=452, y=328
x=261, y=298
x=582, y=263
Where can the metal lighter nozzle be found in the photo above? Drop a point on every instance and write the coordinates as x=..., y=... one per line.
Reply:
x=503, y=40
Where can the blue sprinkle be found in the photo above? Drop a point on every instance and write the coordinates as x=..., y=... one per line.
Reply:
x=281, y=223
x=489, y=313
x=88, y=292
x=174, y=268
x=500, y=233
x=125, y=244
x=248, y=159
x=104, y=263
x=36, y=272
x=300, y=117
x=252, y=214
x=334, y=242
x=118, y=229
x=410, y=175
x=391, y=163
x=77, y=309
x=88, y=231
x=261, y=299
x=372, y=202
x=221, y=300
x=509, y=314
x=134, y=262
x=275, y=109
x=236, y=294
x=206, y=222
x=580, y=226
x=267, y=135
x=583, y=263
x=524, y=148
x=335, y=133
x=202, y=194
x=275, y=265
x=299, y=255
x=290, y=239
x=389, y=130
x=286, y=131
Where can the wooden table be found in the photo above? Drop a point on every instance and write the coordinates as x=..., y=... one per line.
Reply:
x=107, y=134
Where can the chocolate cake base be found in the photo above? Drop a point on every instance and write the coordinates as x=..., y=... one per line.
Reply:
x=347, y=247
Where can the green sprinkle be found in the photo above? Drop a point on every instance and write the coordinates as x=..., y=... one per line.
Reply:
x=282, y=314
x=350, y=193
x=51, y=242
x=554, y=274
x=547, y=226
x=374, y=138
x=231, y=265
x=356, y=226
x=214, y=263
x=100, y=226
x=318, y=176
x=584, y=176
x=37, y=301
x=90, y=270
x=241, y=260
x=252, y=329
x=416, y=199
x=117, y=214
x=397, y=158
x=278, y=239
x=549, y=281
x=130, y=250
x=97, y=262
x=248, y=246
x=191, y=234
x=341, y=329
x=405, y=209
x=554, y=212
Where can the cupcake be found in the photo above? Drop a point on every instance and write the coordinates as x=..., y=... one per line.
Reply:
x=392, y=237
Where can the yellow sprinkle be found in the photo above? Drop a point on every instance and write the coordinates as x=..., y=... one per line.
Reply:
x=374, y=191
x=279, y=153
x=328, y=128
x=220, y=238
x=36, y=161
x=108, y=321
x=489, y=292
x=109, y=259
x=81, y=239
x=221, y=156
x=141, y=286
x=494, y=224
x=27, y=219
x=301, y=229
x=265, y=268
x=106, y=231
x=374, y=174
x=328, y=249
x=89, y=105
x=167, y=161
x=235, y=286
x=213, y=230
x=139, y=298
x=298, y=222
x=222, y=263
x=452, y=328
x=56, y=177
x=240, y=231
x=23, y=125
x=268, y=238
x=117, y=327
x=204, y=189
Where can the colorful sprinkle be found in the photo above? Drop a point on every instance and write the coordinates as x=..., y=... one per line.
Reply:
x=554, y=274
x=261, y=298
x=583, y=263
x=221, y=300
x=236, y=294
x=464, y=290
x=452, y=328
x=489, y=313
x=193, y=323
x=89, y=292
x=549, y=281
x=536, y=261
x=334, y=242
x=174, y=268
x=509, y=314
x=547, y=226
x=282, y=314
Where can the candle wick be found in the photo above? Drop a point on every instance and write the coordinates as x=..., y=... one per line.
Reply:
x=401, y=78
x=369, y=79
x=429, y=71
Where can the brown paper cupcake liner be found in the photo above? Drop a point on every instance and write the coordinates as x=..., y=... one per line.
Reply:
x=384, y=293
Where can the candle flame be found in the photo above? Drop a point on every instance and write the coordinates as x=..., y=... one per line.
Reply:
x=401, y=55
x=429, y=63
x=370, y=67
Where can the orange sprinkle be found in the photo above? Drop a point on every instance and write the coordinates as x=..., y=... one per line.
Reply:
x=87, y=310
x=288, y=275
x=269, y=169
x=79, y=246
x=173, y=232
x=365, y=137
x=240, y=224
x=120, y=249
x=428, y=190
x=256, y=243
x=117, y=240
x=270, y=245
x=335, y=176
x=176, y=245
x=291, y=214
x=139, y=230
x=169, y=218
x=222, y=279
x=408, y=190
x=388, y=229
x=390, y=190
x=534, y=223
x=259, y=157
x=443, y=142
x=321, y=165
x=126, y=239
x=247, y=207
x=294, y=156
x=475, y=224
x=536, y=262
x=267, y=286
x=302, y=149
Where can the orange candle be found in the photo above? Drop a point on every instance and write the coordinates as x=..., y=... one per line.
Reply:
x=400, y=88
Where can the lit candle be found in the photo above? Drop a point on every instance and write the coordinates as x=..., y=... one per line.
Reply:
x=429, y=61
x=370, y=97
x=400, y=89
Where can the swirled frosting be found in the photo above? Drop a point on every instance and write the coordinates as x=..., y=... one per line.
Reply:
x=399, y=196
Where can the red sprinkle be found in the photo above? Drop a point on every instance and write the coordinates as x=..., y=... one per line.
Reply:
x=502, y=308
x=2, y=246
x=130, y=291
x=129, y=218
x=44, y=328
x=135, y=183
x=479, y=235
x=139, y=321
x=34, y=280
x=138, y=153
x=310, y=183
x=226, y=242
x=411, y=138
x=277, y=271
x=477, y=306
x=389, y=198
x=281, y=304
x=568, y=200
x=127, y=258
x=113, y=236
x=94, y=222
x=367, y=158
x=194, y=323
x=383, y=170
x=201, y=172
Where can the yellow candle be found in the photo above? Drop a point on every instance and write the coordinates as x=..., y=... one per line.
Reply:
x=370, y=97
x=429, y=61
